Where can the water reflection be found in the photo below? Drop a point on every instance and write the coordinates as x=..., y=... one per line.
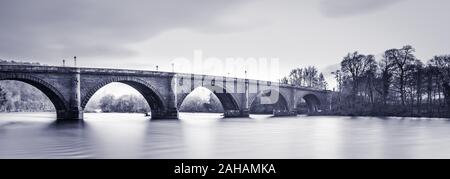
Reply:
x=37, y=135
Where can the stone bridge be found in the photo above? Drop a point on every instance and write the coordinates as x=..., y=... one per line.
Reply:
x=70, y=89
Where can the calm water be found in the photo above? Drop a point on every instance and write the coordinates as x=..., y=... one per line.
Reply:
x=35, y=135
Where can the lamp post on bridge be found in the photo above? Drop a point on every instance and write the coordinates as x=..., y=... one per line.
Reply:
x=246, y=91
x=64, y=62
x=75, y=61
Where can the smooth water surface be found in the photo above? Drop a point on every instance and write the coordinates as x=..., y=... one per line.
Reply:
x=37, y=135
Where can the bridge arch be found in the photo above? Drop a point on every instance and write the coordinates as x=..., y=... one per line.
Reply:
x=312, y=101
x=151, y=95
x=272, y=98
x=228, y=100
x=57, y=99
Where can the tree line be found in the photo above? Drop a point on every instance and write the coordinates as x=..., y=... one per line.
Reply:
x=397, y=84
x=306, y=77
x=123, y=104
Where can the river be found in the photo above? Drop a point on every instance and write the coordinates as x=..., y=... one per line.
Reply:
x=37, y=135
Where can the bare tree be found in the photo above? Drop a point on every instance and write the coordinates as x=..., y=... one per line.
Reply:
x=322, y=83
x=352, y=64
x=296, y=77
x=356, y=65
x=429, y=73
x=369, y=76
x=284, y=80
x=419, y=78
x=442, y=65
x=401, y=58
x=386, y=77
x=310, y=75
x=3, y=99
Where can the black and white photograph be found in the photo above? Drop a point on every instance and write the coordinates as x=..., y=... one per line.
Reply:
x=224, y=79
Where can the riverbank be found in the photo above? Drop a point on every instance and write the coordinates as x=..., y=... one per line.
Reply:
x=369, y=114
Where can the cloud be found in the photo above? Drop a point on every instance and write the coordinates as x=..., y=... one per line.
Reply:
x=53, y=28
x=343, y=8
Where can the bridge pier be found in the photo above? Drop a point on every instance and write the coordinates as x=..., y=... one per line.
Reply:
x=284, y=113
x=236, y=113
x=165, y=114
x=72, y=115
x=244, y=112
x=75, y=111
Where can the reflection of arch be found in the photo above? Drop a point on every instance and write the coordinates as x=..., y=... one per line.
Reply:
x=313, y=102
x=276, y=99
x=153, y=98
x=51, y=92
x=227, y=100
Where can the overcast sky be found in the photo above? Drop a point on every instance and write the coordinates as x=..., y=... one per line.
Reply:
x=142, y=34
